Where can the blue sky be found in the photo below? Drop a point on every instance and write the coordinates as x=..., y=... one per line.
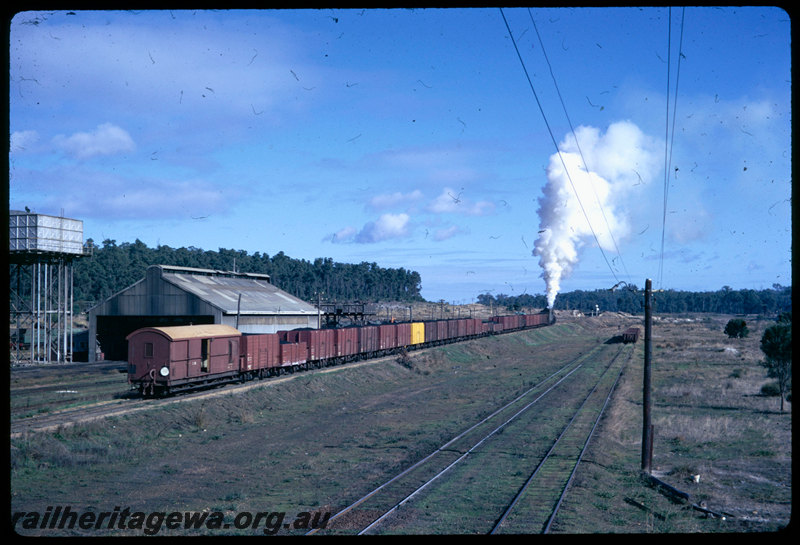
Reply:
x=413, y=138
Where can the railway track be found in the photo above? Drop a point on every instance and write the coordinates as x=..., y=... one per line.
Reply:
x=110, y=403
x=507, y=473
x=539, y=492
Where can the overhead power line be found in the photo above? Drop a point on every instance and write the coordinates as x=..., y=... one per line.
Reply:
x=669, y=135
x=555, y=143
x=577, y=143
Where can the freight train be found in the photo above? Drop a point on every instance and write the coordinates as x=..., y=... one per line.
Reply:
x=630, y=335
x=166, y=360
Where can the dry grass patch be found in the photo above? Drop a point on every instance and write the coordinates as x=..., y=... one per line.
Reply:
x=711, y=420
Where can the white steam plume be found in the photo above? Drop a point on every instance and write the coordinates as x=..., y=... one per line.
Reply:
x=619, y=160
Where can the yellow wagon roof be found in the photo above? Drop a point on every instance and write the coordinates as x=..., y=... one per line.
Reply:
x=179, y=332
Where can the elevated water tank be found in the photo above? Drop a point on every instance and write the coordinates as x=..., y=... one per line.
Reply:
x=29, y=232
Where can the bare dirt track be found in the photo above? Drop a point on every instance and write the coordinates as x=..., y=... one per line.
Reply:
x=313, y=443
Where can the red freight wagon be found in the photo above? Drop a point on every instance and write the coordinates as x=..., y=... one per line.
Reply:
x=509, y=322
x=442, y=328
x=260, y=351
x=403, y=334
x=431, y=332
x=327, y=342
x=387, y=336
x=472, y=326
x=504, y=321
x=452, y=329
x=320, y=342
x=249, y=352
x=161, y=358
x=630, y=335
x=368, y=339
x=346, y=341
x=435, y=331
x=292, y=354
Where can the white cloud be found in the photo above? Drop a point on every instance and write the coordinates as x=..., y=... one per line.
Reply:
x=342, y=235
x=23, y=140
x=443, y=234
x=386, y=227
x=385, y=201
x=107, y=139
x=451, y=201
x=87, y=193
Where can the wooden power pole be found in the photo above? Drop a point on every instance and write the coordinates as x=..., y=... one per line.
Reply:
x=647, y=427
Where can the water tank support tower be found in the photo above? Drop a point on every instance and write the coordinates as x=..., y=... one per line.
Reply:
x=42, y=249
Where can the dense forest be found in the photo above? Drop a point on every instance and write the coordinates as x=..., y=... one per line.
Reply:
x=114, y=267
x=769, y=302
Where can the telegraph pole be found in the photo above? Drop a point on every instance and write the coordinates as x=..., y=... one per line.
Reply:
x=647, y=427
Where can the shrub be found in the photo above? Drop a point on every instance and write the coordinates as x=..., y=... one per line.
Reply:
x=771, y=389
x=405, y=360
x=736, y=328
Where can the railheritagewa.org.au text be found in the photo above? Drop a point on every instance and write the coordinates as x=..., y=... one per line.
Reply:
x=65, y=518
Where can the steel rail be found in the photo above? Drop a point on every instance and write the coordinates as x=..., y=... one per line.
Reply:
x=471, y=449
x=547, y=455
x=583, y=451
x=458, y=437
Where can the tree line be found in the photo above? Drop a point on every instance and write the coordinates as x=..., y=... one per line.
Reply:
x=630, y=299
x=113, y=267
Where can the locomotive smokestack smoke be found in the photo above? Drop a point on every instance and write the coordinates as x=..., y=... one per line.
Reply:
x=619, y=160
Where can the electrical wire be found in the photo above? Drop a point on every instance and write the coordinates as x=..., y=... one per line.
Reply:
x=577, y=143
x=670, y=136
x=555, y=143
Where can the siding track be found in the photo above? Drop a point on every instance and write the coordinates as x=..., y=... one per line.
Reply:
x=506, y=473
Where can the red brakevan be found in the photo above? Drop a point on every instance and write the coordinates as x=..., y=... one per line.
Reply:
x=161, y=359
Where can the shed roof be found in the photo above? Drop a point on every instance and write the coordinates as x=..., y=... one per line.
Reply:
x=223, y=289
x=176, y=333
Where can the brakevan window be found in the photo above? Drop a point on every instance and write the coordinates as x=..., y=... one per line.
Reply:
x=148, y=350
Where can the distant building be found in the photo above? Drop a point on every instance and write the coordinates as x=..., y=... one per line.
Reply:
x=170, y=295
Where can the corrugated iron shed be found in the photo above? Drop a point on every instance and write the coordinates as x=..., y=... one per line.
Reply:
x=223, y=289
x=172, y=296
